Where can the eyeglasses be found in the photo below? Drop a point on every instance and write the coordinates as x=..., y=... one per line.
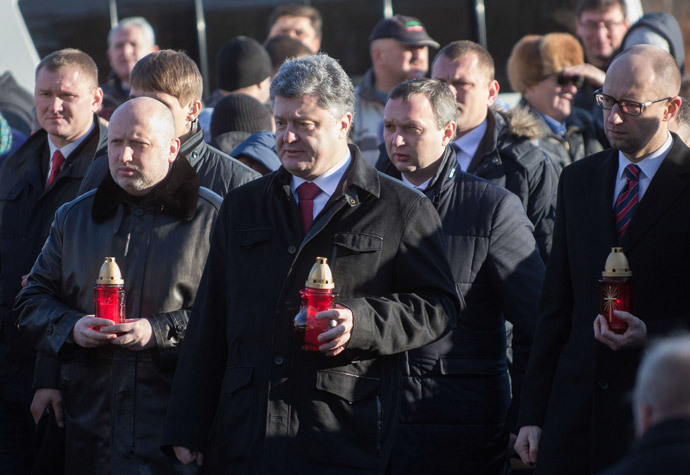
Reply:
x=564, y=80
x=591, y=26
x=627, y=107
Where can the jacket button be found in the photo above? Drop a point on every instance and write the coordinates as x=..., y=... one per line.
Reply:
x=195, y=154
x=279, y=360
x=49, y=331
x=292, y=249
x=138, y=212
x=179, y=328
x=603, y=384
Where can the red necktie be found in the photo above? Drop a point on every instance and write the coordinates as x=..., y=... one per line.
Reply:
x=58, y=160
x=306, y=193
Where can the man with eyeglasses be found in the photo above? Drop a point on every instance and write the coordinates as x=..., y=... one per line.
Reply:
x=601, y=26
x=575, y=414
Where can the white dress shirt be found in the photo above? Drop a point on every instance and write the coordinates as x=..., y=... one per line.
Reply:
x=328, y=182
x=648, y=167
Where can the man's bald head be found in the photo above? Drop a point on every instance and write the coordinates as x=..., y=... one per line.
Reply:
x=147, y=110
x=652, y=64
x=647, y=75
x=141, y=144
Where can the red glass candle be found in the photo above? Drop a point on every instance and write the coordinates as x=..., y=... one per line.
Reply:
x=109, y=293
x=616, y=289
x=317, y=296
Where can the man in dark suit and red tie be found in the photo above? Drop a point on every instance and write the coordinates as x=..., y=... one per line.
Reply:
x=575, y=413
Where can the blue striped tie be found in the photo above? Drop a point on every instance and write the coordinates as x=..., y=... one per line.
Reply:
x=626, y=203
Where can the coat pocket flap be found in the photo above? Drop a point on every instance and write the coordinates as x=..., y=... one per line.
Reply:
x=249, y=237
x=350, y=387
x=237, y=377
x=476, y=366
x=359, y=242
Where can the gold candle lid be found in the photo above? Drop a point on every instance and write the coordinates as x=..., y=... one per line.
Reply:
x=110, y=273
x=616, y=264
x=320, y=276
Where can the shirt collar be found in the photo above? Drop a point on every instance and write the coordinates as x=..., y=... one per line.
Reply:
x=649, y=164
x=469, y=142
x=328, y=181
x=421, y=187
x=558, y=128
x=70, y=147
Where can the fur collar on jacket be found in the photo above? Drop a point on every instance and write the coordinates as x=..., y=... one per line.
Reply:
x=175, y=196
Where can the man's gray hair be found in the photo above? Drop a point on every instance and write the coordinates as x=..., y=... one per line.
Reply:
x=438, y=93
x=133, y=22
x=662, y=379
x=318, y=75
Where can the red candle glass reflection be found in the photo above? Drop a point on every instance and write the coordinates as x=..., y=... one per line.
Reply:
x=616, y=290
x=109, y=293
x=317, y=296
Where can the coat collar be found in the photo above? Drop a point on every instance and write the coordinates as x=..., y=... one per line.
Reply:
x=359, y=176
x=176, y=195
x=192, y=148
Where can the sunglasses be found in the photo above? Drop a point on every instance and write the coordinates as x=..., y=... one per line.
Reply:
x=564, y=80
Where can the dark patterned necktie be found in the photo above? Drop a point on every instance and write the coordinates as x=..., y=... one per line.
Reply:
x=627, y=200
x=306, y=193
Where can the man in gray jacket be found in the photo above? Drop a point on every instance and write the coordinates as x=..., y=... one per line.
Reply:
x=399, y=50
x=152, y=216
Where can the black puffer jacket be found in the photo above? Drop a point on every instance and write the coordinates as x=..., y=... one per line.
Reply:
x=457, y=408
x=217, y=171
x=26, y=211
x=114, y=398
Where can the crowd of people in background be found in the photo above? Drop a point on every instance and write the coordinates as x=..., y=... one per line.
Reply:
x=466, y=238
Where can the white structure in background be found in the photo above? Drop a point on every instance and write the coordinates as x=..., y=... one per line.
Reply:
x=19, y=54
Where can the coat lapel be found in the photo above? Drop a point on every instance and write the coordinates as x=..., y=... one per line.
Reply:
x=599, y=192
x=664, y=189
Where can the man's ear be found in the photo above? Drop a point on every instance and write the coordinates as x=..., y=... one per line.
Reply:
x=448, y=132
x=672, y=108
x=345, y=122
x=174, y=149
x=97, y=101
x=193, y=110
x=494, y=87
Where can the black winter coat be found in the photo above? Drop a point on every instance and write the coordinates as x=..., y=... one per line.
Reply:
x=217, y=171
x=114, y=398
x=26, y=211
x=663, y=449
x=576, y=388
x=457, y=409
x=245, y=393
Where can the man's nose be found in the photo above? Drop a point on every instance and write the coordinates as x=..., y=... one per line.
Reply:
x=289, y=135
x=615, y=115
x=398, y=140
x=126, y=154
x=56, y=104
